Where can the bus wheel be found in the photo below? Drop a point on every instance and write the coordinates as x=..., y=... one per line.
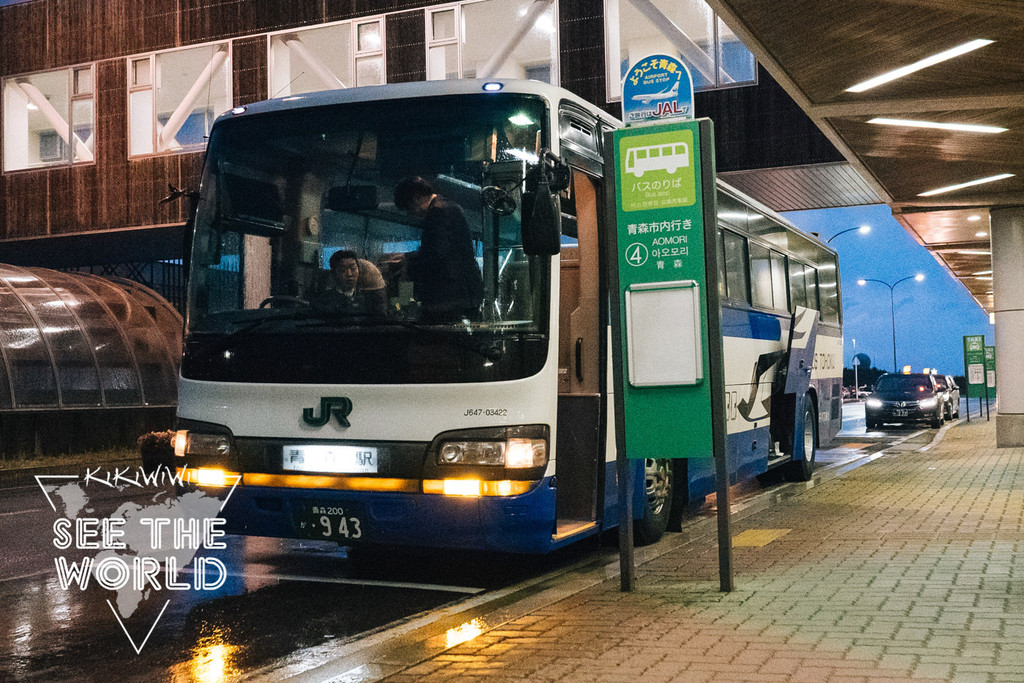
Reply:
x=802, y=470
x=657, y=502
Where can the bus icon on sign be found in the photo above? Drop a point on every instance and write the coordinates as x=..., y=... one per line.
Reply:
x=668, y=157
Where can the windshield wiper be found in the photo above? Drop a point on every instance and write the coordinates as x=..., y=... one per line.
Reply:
x=221, y=343
x=489, y=351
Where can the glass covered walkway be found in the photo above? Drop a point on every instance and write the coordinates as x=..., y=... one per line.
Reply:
x=72, y=342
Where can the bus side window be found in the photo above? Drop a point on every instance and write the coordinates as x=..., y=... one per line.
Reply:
x=797, y=288
x=828, y=291
x=721, y=266
x=737, y=285
x=780, y=293
x=760, y=275
x=811, y=283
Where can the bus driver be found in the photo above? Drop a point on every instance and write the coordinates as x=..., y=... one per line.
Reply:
x=353, y=286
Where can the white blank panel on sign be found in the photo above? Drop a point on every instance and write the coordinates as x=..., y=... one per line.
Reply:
x=663, y=334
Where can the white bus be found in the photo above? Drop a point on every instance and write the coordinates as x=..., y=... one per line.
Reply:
x=490, y=429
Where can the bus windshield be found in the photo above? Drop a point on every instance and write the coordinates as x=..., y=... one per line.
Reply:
x=369, y=242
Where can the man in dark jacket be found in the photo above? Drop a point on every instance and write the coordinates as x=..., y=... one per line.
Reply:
x=444, y=271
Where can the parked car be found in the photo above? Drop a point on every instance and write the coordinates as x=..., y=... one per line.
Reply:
x=951, y=395
x=905, y=399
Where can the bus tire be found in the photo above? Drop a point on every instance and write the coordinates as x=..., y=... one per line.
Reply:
x=803, y=469
x=657, y=502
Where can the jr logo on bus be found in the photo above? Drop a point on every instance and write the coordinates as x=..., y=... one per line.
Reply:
x=339, y=406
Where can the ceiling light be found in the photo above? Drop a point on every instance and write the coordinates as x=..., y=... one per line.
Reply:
x=974, y=252
x=983, y=272
x=981, y=233
x=970, y=183
x=974, y=217
x=983, y=277
x=960, y=127
x=922, y=64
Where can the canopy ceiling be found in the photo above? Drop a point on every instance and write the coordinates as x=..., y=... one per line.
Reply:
x=816, y=50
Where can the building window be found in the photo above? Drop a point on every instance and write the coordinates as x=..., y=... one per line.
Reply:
x=493, y=39
x=174, y=97
x=49, y=118
x=689, y=29
x=345, y=55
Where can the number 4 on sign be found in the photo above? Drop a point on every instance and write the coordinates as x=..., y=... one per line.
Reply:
x=636, y=254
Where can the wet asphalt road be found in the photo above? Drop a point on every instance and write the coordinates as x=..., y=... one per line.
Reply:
x=279, y=596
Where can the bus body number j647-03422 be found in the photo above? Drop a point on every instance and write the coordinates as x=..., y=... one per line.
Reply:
x=489, y=412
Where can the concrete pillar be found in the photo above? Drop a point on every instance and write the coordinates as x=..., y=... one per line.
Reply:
x=1008, y=290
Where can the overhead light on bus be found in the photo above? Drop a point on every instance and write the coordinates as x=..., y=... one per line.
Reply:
x=959, y=127
x=238, y=110
x=983, y=272
x=974, y=217
x=970, y=183
x=493, y=86
x=920, y=64
x=981, y=233
x=974, y=252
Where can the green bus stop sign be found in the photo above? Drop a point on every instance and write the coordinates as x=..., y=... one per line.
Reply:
x=667, y=313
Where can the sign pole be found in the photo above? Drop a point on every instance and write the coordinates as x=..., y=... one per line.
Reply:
x=716, y=361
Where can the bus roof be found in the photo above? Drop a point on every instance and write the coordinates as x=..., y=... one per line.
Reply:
x=399, y=91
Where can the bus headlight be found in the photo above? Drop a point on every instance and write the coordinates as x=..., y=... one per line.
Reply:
x=512, y=453
x=471, y=453
x=526, y=453
x=928, y=403
x=193, y=443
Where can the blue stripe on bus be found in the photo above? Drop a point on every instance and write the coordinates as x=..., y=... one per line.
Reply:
x=747, y=324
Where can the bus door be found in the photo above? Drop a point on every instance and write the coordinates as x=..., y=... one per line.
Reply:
x=579, y=450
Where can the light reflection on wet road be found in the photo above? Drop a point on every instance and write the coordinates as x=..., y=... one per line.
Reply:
x=279, y=596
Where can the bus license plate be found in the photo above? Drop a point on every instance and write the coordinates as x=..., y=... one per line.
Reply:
x=900, y=412
x=341, y=522
x=332, y=459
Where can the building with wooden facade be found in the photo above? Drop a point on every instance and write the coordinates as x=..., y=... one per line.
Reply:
x=107, y=104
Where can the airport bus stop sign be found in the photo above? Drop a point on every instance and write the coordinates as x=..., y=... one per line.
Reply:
x=664, y=210
x=990, y=370
x=974, y=364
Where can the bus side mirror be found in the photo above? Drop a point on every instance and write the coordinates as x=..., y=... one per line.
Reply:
x=541, y=207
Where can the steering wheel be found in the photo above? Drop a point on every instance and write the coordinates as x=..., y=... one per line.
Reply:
x=275, y=300
x=498, y=200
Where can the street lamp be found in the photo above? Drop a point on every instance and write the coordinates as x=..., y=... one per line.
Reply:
x=892, y=304
x=863, y=229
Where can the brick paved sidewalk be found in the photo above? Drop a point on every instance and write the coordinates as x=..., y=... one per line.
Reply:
x=906, y=568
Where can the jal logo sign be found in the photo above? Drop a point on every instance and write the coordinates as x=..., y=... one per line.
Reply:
x=657, y=88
